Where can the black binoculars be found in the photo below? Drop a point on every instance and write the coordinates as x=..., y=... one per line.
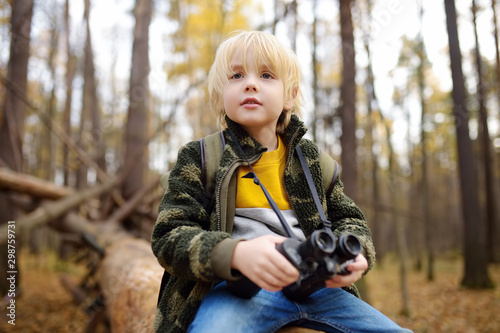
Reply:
x=319, y=258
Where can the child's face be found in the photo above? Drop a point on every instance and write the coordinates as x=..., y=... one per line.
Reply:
x=255, y=98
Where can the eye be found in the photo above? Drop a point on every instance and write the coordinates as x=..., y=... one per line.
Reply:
x=267, y=76
x=237, y=76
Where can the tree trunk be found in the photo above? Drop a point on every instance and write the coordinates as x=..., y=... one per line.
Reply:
x=348, y=111
x=315, y=73
x=136, y=131
x=371, y=100
x=276, y=18
x=129, y=277
x=486, y=147
x=89, y=117
x=475, y=270
x=12, y=118
x=348, y=100
x=400, y=225
x=293, y=7
x=90, y=98
x=497, y=48
x=70, y=72
x=425, y=193
x=494, y=248
x=44, y=146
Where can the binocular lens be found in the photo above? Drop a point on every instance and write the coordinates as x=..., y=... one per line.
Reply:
x=324, y=242
x=350, y=246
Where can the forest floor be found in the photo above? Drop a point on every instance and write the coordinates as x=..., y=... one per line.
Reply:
x=437, y=306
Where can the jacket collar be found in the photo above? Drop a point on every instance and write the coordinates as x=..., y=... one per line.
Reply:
x=293, y=133
x=295, y=130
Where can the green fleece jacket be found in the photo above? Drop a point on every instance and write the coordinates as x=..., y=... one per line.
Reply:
x=195, y=246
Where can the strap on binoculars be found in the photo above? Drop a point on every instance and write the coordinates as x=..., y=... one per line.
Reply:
x=310, y=182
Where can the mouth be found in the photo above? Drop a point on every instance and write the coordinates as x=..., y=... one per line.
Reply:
x=250, y=101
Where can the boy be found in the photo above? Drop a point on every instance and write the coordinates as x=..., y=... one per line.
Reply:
x=254, y=87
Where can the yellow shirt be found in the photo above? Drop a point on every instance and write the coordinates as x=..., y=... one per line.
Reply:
x=269, y=168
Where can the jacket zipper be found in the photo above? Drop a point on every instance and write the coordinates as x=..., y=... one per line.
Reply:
x=217, y=198
x=219, y=187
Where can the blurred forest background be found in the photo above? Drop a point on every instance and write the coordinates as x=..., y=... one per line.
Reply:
x=96, y=97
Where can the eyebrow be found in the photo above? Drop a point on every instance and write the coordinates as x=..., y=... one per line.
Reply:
x=236, y=67
x=266, y=68
x=239, y=67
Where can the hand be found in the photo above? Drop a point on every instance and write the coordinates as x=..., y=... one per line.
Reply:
x=259, y=261
x=356, y=269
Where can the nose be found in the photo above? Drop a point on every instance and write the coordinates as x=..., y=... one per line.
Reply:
x=251, y=84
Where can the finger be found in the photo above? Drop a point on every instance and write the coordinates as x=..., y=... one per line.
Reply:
x=276, y=239
x=270, y=282
x=270, y=277
x=360, y=264
x=339, y=282
x=277, y=277
x=284, y=267
x=332, y=284
x=344, y=280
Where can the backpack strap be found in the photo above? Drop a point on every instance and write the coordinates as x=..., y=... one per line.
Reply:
x=214, y=144
x=329, y=171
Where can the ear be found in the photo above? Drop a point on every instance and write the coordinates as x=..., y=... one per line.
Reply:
x=289, y=104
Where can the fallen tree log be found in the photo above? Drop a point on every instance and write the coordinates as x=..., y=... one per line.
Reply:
x=23, y=183
x=129, y=277
x=53, y=210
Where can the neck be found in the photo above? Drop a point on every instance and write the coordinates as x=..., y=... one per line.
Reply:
x=267, y=138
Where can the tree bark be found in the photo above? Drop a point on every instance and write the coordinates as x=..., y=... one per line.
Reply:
x=497, y=48
x=136, y=130
x=69, y=76
x=314, y=64
x=475, y=270
x=486, y=147
x=12, y=117
x=128, y=275
x=348, y=111
x=43, y=145
x=90, y=98
x=90, y=132
x=400, y=226
x=371, y=133
x=129, y=278
x=348, y=101
x=20, y=182
x=425, y=194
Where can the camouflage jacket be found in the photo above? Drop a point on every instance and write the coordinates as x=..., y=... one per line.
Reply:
x=195, y=246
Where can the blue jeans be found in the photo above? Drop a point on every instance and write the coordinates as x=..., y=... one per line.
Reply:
x=330, y=310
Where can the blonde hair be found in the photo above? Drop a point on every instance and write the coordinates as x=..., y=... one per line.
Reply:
x=267, y=50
